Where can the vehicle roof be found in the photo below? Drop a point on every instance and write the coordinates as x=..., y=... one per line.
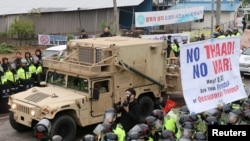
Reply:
x=57, y=48
x=118, y=41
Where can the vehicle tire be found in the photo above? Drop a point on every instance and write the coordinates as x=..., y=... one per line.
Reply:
x=147, y=106
x=17, y=126
x=64, y=126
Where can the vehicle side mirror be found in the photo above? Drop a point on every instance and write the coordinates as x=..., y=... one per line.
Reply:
x=95, y=95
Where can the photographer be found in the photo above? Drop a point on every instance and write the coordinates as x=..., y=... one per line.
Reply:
x=130, y=110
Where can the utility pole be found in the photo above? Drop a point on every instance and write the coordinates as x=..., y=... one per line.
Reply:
x=218, y=12
x=212, y=19
x=116, y=28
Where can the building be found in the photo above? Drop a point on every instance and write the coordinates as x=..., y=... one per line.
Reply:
x=69, y=16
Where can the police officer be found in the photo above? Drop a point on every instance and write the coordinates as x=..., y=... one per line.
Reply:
x=139, y=132
x=3, y=94
x=110, y=118
x=225, y=110
x=12, y=78
x=57, y=138
x=167, y=136
x=234, y=117
x=236, y=32
x=155, y=127
x=35, y=70
x=176, y=48
x=221, y=34
x=24, y=76
x=101, y=129
x=187, y=129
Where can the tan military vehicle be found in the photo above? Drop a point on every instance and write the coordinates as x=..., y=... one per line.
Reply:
x=92, y=78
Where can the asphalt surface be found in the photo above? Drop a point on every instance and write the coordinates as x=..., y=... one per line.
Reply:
x=7, y=133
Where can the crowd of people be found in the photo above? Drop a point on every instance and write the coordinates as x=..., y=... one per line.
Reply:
x=176, y=124
x=18, y=75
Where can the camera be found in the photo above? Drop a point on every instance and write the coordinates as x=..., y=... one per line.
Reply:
x=125, y=103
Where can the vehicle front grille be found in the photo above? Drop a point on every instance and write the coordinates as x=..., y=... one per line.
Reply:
x=37, y=97
x=23, y=109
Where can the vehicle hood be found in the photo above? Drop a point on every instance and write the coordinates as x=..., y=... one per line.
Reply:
x=48, y=96
x=245, y=59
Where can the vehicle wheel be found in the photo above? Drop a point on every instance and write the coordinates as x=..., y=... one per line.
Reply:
x=17, y=126
x=64, y=126
x=147, y=106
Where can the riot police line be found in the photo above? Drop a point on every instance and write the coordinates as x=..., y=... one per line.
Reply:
x=18, y=77
x=178, y=124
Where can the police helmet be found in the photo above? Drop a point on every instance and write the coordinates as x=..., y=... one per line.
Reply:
x=133, y=135
x=168, y=135
x=88, y=137
x=226, y=108
x=41, y=132
x=153, y=122
x=23, y=61
x=109, y=116
x=234, y=116
x=102, y=128
x=187, y=129
x=184, y=118
x=159, y=114
x=12, y=66
x=35, y=58
x=150, y=120
x=216, y=34
x=222, y=32
x=246, y=104
x=184, y=110
x=194, y=118
x=212, y=112
x=57, y=138
x=137, y=132
x=212, y=120
x=229, y=30
x=184, y=138
x=110, y=136
x=200, y=136
x=247, y=114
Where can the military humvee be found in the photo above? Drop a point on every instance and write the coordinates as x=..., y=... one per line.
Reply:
x=92, y=78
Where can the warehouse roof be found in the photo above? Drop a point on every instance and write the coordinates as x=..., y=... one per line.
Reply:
x=9, y=7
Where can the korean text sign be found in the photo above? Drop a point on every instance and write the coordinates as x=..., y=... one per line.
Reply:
x=155, y=18
x=210, y=73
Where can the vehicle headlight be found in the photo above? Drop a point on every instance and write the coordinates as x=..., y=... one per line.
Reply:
x=32, y=112
x=13, y=106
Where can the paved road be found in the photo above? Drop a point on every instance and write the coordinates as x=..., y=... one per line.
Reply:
x=7, y=133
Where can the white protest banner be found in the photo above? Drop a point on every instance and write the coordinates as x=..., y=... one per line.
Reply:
x=155, y=18
x=210, y=73
x=179, y=36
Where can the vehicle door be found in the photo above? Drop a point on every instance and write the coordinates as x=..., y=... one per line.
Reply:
x=101, y=96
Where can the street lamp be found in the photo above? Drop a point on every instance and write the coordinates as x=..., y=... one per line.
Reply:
x=79, y=14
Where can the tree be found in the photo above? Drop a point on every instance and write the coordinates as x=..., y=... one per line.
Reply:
x=23, y=29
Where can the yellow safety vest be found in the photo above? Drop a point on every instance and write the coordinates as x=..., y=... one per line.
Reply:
x=9, y=75
x=221, y=36
x=175, y=48
x=120, y=132
x=33, y=69
x=22, y=74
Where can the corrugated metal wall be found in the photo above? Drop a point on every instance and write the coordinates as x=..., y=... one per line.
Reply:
x=65, y=22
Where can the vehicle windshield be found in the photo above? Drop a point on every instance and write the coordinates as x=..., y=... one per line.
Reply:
x=47, y=53
x=67, y=81
x=246, y=51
